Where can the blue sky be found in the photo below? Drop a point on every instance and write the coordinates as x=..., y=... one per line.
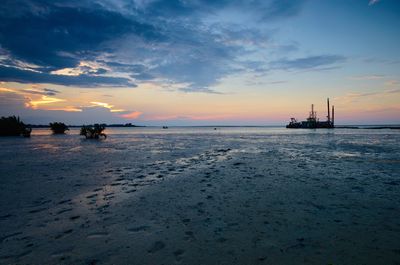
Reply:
x=199, y=62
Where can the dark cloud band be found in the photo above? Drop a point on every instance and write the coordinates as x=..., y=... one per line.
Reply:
x=167, y=40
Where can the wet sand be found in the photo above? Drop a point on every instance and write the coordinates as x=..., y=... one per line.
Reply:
x=201, y=198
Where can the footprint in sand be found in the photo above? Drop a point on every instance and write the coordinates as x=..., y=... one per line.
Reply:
x=221, y=240
x=72, y=218
x=157, y=246
x=91, y=196
x=178, y=254
x=4, y=238
x=189, y=236
x=66, y=232
x=64, y=201
x=185, y=221
x=64, y=210
x=138, y=229
x=38, y=210
x=62, y=252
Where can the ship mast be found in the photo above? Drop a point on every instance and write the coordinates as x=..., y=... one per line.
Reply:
x=313, y=114
x=329, y=115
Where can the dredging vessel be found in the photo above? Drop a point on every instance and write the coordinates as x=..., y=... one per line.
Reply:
x=313, y=122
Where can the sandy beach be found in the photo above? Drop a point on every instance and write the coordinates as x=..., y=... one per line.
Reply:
x=199, y=196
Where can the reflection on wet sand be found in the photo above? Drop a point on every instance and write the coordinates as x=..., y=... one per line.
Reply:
x=267, y=197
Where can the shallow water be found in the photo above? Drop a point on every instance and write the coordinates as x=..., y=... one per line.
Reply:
x=195, y=195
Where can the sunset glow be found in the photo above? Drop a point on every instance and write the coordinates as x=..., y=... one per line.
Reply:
x=233, y=66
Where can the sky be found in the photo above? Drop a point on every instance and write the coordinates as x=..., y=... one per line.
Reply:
x=199, y=62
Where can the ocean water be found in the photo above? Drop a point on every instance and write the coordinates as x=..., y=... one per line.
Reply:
x=195, y=195
x=366, y=144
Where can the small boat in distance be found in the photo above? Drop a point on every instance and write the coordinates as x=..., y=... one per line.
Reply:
x=312, y=121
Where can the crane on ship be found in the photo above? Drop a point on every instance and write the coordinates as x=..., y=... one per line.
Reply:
x=312, y=122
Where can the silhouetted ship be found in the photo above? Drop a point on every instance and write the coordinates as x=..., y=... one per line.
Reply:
x=313, y=122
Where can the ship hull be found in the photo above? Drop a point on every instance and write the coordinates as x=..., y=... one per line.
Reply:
x=310, y=125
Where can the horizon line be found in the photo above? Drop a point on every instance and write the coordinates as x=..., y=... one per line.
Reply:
x=215, y=125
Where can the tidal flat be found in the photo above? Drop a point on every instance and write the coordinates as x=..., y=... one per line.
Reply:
x=201, y=196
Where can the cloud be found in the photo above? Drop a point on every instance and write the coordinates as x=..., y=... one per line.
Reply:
x=373, y=2
x=67, y=109
x=276, y=82
x=44, y=109
x=355, y=96
x=106, y=105
x=320, y=62
x=195, y=43
x=84, y=67
x=34, y=104
x=44, y=91
x=392, y=91
x=261, y=9
x=32, y=97
x=189, y=89
x=392, y=83
x=131, y=115
x=282, y=8
x=60, y=35
x=367, y=77
x=11, y=103
x=13, y=74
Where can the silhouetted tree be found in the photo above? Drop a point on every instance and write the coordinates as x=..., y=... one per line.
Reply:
x=12, y=126
x=94, y=132
x=58, y=127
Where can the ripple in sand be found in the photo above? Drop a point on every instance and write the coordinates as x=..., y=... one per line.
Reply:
x=97, y=235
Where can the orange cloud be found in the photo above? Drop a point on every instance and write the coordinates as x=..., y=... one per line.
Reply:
x=102, y=104
x=44, y=100
x=132, y=115
x=106, y=105
x=3, y=89
x=35, y=101
x=68, y=109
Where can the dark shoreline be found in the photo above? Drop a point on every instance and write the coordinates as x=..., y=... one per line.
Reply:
x=394, y=127
x=375, y=128
x=78, y=126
